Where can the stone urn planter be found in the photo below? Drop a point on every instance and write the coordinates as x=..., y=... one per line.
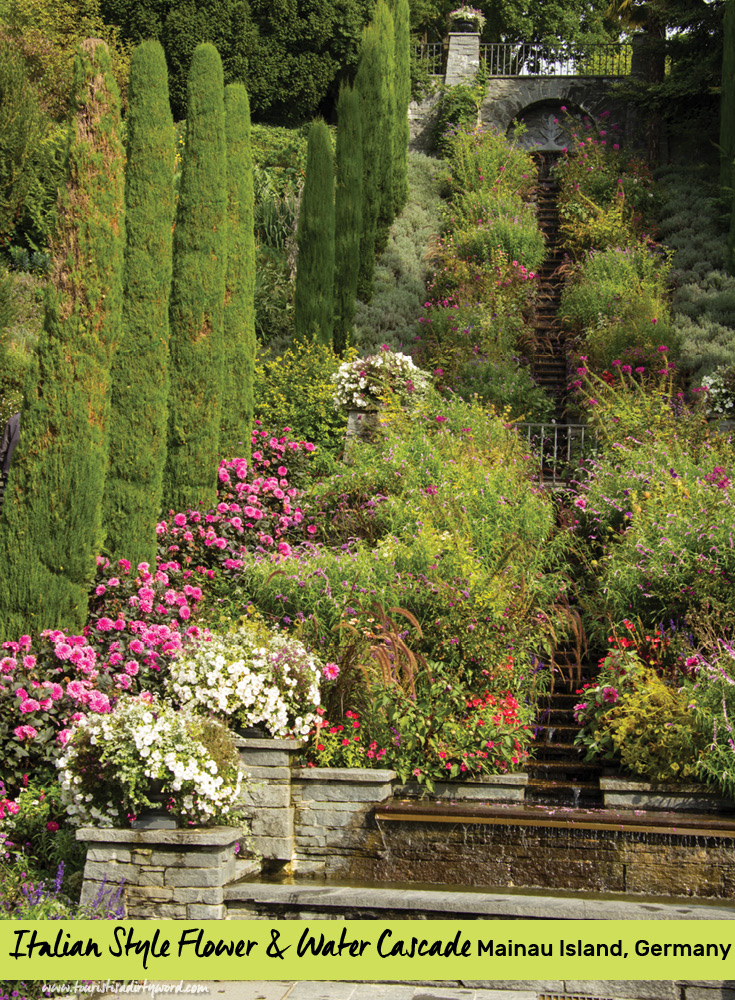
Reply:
x=464, y=26
x=157, y=817
x=363, y=425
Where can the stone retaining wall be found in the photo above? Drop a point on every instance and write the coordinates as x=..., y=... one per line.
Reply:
x=167, y=874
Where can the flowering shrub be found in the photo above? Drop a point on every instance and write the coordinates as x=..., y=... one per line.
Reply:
x=715, y=711
x=720, y=387
x=362, y=383
x=256, y=512
x=466, y=13
x=252, y=676
x=343, y=744
x=110, y=762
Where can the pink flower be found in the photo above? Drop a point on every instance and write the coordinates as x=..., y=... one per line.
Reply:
x=331, y=671
x=62, y=650
x=308, y=446
x=284, y=548
x=62, y=736
x=99, y=591
x=132, y=667
x=98, y=702
x=23, y=733
x=581, y=503
x=312, y=529
x=29, y=705
x=184, y=612
x=52, y=826
x=103, y=624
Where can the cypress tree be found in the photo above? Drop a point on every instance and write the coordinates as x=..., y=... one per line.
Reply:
x=370, y=85
x=386, y=134
x=402, y=19
x=239, y=315
x=727, y=100
x=198, y=292
x=50, y=527
x=314, y=292
x=139, y=376
x=347, y=213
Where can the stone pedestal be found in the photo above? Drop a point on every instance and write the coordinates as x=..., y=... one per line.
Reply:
x=266, y=795
x=167, y=874
x=463, y=58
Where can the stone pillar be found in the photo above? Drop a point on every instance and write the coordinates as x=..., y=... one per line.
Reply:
x=266, y=795
x=332, y=805
x=168, y=874
x=463, y=58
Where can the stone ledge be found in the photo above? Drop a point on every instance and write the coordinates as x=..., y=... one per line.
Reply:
x=212, y=836
x=672, y=796
x=290, y=746
x=358, y=775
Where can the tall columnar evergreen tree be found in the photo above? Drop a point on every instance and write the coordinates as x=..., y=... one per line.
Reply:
x=139, y=376
x=347, y=213
x=387, y=45
x=314, y=292
x=402, y=25
x=370, y=85
x=727, y=100
x=198, y=292
x=50, y=528
x=239, y=316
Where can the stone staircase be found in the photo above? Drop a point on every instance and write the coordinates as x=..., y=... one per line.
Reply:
x=549, y=364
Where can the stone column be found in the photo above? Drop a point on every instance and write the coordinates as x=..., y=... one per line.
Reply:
x=266, y=794
x=167, y=874
x=463, y=59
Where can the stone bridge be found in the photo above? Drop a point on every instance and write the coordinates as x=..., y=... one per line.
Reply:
x=531, y=84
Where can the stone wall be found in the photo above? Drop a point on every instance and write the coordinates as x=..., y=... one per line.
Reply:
x=167, y=874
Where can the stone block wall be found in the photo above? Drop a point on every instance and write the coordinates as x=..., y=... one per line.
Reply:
x=463, y=58
x=168, y=874
x=266, y=794
x=331, y=812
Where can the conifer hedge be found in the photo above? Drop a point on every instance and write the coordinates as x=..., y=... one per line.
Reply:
x=50, y=526
x=386, y=134
x=314, y=292
x=727, y=99
x=370, y=85
x=347, y=214
x=402, y=25
x=139, y=375
x=239, y=315
x=197, y=293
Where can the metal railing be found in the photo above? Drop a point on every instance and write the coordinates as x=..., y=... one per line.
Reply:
x=434, y=54
x=535, y=59
x=560, y=448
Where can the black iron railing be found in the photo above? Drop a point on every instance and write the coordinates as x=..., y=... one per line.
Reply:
x=434, y=55
x=560, y=448
x=535, y=59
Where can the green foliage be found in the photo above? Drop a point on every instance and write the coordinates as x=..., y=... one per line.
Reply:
x=654, y=731
x=727, y=101
x=401, y=270
x=617, y=300
x=703, y=301
x=50, y=530
x=134, y=485
x=294, y=390
x=505, y=384
x=370, y=85
x=386, y=181
x=458, y=109
x=314, y=292
x=347, y=214
x=402, y=26
x=197, y=293
x=22, y=127
x=239, y=316
x=485, y=160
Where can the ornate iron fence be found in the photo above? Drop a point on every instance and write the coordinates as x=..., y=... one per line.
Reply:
x=434, y=55
x=560, y=448
x=535, y=59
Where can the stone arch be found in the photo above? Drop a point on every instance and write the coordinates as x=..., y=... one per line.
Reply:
x=509, y=98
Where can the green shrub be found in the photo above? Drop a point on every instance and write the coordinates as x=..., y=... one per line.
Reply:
x=294, y=390
x=459, y=107
x=348, y=215
x=401, y=270
x=506, y=385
